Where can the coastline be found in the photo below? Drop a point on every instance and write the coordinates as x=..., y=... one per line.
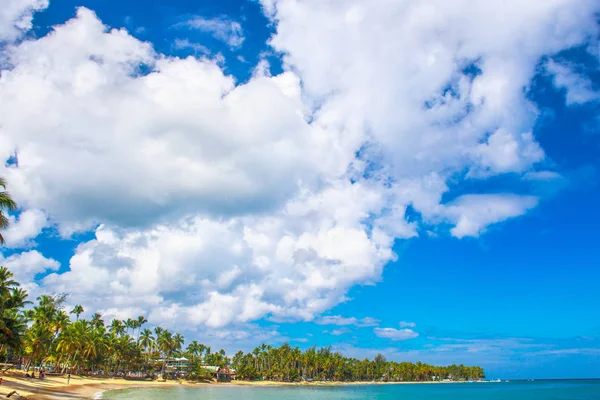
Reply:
x=54, y=388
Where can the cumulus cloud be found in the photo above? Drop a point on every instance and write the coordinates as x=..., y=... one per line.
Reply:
x=507, y=152
x=28, y=264
x=395, y=334
x=16, y=17
x=28, y=225
x=180, y=139
x=405, y=324
x=578, y=88
x=223, y=203
x=217, y=273
x=222, y=28
x=471, y=214
x=429, y=98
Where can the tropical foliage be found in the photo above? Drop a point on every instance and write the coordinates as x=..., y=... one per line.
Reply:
x=288, y=363
x=12, y=318
x=6, y=203
x=80, y=346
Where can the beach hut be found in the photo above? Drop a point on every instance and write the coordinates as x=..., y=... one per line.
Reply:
x=226, y=374
x=221, y=374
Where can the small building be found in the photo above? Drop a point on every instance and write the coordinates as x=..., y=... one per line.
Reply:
x=175, y=363
x=221, y=374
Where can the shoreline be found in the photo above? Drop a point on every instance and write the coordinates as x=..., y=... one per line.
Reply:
x=54, y=388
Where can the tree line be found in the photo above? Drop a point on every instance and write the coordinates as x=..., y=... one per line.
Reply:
x=286, y=363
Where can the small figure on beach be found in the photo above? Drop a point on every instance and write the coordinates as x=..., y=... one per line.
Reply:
x=68, y=378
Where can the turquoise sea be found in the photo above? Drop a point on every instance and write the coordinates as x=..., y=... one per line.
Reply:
x=515, y=390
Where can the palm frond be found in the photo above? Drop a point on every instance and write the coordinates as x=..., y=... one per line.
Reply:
x=4, y=222
x=7, y=202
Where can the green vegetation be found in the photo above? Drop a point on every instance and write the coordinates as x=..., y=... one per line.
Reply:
x=12, y=319
x=6, y=203
x=288, y=363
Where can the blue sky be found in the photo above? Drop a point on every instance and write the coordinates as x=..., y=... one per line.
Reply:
x=412, y=178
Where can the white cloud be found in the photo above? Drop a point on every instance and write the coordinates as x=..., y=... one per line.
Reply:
x=578, y=88
x=405, y=324
x=16, y=17
x=471, y=214
x=340, y=331
x=222, y=28
x=25, y=266
x=341, y=321
x=404, y=83
x=28, y=225
x=220, y=203
x=336, y=320
x=196, y=47
x=295, y=265
x=189, y=140
x=506, y=152
x=395, y=334
x=368, y=321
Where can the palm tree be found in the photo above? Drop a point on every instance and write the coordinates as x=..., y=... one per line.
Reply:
x=195, y=349
x=177, y=342
x=12, y=318
x=158, y=331
x=141, y=320
x=37, y=343
x=77, y=310
x=146, y=340
x=129, y=323
x=165, y=345
x=61, y=321
x=116, y=327
x=6, y=203
x=97, y=320
x=7, y=283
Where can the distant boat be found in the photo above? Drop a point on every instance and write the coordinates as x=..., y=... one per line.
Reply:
x=496, y=380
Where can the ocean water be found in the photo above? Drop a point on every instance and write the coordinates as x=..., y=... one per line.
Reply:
x=515, y=390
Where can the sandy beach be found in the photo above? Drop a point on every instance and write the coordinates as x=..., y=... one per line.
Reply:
x=86, y=387
x=57, y=388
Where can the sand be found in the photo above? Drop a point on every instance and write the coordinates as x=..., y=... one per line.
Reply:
x=54, y=387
